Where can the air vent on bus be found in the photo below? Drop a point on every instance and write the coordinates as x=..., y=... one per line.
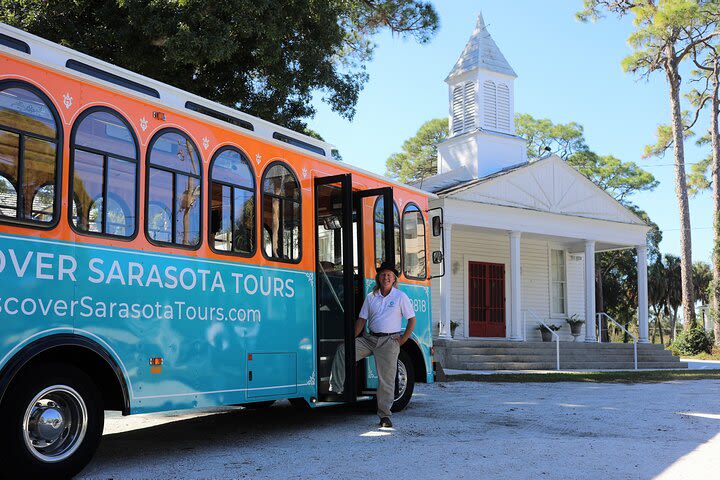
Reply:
x=111, y=77
x=219, y=115
x=11, y=42
x=298, y=143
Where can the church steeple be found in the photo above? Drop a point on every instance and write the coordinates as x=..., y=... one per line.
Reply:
x=481, y=52
x=481, y=109
x=481, y=86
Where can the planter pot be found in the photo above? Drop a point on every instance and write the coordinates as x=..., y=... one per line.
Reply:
x=575, y=329
x=546, y=335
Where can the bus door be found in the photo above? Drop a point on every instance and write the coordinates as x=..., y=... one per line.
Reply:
x=366, y=219
x=335, y=302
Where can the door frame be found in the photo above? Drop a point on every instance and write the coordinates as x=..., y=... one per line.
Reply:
x=345, y=180
x=466, y=289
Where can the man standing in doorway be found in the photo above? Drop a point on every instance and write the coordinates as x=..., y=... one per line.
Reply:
x=382, y=311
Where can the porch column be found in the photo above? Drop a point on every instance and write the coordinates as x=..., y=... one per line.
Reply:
x=516, y=326
x=642, y=293
x=446, y=284
x=590, y=291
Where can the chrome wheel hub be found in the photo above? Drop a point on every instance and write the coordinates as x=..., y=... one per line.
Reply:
x=55, y=423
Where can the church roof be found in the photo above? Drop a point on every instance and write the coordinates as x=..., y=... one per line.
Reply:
x=548, y=184
x=481, y=52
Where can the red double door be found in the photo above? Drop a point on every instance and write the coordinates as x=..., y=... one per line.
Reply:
x=486, y=299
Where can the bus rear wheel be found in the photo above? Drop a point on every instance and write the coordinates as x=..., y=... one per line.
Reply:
x=404, y=381
x=52, y=419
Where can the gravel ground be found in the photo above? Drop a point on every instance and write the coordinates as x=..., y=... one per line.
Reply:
x=460, y=430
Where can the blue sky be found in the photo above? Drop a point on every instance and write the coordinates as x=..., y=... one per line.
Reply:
x=567, y=71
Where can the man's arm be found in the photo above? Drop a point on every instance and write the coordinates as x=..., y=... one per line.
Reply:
x=359, y=326
x=408, y=331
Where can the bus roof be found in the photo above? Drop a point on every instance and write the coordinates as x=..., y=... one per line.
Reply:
x=71, y=62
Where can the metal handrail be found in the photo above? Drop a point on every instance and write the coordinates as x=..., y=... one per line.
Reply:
x=556, y=337
x=599, y=338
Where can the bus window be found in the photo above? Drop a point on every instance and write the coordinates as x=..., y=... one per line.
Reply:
x=379, y=221
x=174, y=189
x=104, y=165
x=28, y=155
x=281, y=214
x=232, y=203
x=414, y=242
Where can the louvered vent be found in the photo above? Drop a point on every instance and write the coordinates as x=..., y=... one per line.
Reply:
x=490, y=104
x=457, y=110
x=470, y=107
x=503, y=107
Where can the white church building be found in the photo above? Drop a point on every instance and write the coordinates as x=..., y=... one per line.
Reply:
x=519, y=236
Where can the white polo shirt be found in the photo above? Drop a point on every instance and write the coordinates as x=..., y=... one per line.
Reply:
x=385, y=314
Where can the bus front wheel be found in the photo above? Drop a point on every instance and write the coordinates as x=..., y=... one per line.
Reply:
x=404, y=381
x=52, y=418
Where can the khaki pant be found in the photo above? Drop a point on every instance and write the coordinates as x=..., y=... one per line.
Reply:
x=386, y=351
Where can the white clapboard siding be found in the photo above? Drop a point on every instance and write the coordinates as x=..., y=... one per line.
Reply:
x=483, y=246
x=535, y=272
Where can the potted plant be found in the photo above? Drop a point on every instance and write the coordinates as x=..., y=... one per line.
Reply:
x=575, y=324
x=453, y=327
x=545, y=331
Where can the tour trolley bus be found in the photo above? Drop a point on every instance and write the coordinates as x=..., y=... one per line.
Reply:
x=159, y=251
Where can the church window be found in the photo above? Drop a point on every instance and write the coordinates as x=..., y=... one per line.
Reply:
x=558, y=282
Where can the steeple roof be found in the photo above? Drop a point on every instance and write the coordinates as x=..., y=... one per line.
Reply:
x=481, y=52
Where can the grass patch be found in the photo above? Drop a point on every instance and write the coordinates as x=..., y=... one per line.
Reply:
x=652, y=376
x=703, y=356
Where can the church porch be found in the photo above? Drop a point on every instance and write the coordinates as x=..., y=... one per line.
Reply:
x=508, y=268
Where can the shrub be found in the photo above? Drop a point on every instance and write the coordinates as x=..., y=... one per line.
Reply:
x=692, y=342
x=552, y=327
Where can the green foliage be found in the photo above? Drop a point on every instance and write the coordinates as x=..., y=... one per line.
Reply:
x=702, y=277
x=549, y=327
x=692, y=342
x=563, y=140
x=664, y=138
x=418, y=158
x=265, y=57
x=699, y=177
x=573, y=320
x=620, y=179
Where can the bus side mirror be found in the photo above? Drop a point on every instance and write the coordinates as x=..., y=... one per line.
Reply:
x=436, y=229
x=437, y=256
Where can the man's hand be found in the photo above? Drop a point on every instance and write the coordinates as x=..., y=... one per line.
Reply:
x=400, y=340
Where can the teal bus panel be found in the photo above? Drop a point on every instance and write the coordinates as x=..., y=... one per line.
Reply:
x=199, y=317
x=271, y=374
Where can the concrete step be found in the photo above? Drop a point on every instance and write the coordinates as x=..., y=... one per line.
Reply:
x=551, y=348
x=537, y=345
x=514, y=357
x=470, y=354
x=564, y=366
x=548, y=351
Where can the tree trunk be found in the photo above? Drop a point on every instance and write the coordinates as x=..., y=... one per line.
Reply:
x=688, y=302
x=715, y=170
x=659, y=320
